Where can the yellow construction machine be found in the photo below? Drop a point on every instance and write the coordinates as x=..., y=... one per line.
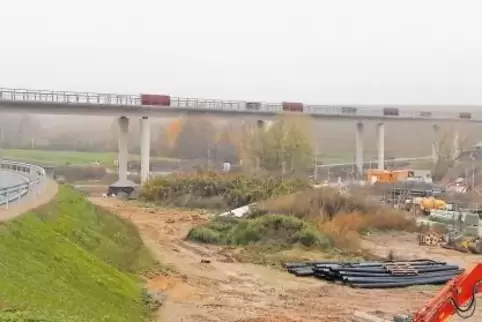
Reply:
x=423, y=205
x=459, y=242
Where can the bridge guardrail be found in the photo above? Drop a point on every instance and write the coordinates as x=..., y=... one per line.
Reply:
x=33, y=181
x=218, y=105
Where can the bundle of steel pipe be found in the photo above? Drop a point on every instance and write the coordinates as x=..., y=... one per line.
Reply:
x=378, y=274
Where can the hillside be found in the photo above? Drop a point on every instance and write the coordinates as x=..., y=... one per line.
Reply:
x=71, y=261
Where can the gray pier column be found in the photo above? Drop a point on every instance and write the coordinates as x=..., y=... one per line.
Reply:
x=123, y=123
x=145, y=148
x=456, y=144
x=435, y=144
x=123, y=184
x=381, y=145
x=359, y=148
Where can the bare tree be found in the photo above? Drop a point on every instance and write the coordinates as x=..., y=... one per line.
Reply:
x=451, y=149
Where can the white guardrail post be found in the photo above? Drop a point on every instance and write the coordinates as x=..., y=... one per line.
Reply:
x=33, y=177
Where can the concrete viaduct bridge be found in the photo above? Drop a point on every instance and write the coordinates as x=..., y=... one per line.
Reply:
x=144, y=106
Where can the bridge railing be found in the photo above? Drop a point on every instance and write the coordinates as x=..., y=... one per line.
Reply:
x=218, y=105
x=33, y=178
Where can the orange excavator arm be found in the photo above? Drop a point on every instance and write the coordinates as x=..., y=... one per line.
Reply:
x=457, y=297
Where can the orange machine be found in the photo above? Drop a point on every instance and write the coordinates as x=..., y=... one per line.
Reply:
x=457, y=297
x=387, y=176
x=423, y=205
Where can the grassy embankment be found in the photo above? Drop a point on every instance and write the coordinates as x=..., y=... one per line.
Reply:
x=290, y=214
x=70, y=261
x=69, y=157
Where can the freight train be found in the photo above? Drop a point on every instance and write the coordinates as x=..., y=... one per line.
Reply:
x=294, y=107
x=165, y=101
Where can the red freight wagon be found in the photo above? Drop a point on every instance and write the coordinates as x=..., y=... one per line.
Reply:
x=159, y=100
x=391, y=111
x=292, y=106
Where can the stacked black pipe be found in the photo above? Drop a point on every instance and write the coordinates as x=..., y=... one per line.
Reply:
x=377, y=274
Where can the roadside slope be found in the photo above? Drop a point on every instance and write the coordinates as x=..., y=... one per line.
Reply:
x=70, y=261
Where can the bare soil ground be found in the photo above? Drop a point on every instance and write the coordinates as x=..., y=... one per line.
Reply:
x=225, y=290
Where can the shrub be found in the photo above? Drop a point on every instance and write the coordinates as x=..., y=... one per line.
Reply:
x=216, y=190
x=271, y=230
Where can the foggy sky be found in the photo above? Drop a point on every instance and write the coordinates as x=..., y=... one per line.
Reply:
x=315, y=51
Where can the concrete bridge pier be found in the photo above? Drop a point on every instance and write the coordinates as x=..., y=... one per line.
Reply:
x=435, y=144
x=122, y=184
x=359, y=148
x=456, y=144
x=381, y=145
x=145, y=148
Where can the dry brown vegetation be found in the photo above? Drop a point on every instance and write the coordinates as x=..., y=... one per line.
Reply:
x=324, y=219
x=339, y=216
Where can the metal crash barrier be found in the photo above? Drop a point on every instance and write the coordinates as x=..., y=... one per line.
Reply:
x=33, y=180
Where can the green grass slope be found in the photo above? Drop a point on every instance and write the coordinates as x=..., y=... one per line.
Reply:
x=70, y=261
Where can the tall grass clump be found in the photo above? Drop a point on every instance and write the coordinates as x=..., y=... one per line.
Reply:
x=340, y=216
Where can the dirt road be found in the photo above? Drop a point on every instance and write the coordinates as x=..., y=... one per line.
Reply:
x=223, y=290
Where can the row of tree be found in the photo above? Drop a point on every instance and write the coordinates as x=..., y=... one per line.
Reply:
x=282, y=146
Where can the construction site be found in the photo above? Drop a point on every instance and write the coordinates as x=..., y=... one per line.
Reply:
x=237, y=161
x=240, y=232
x=267, y=240
x=413, y=236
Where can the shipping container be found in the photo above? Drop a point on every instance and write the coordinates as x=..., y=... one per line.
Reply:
x=292, y=106
x=465, y=115
x=348, y=110
x=253, y=106
x=391, y=111
x=425, y=114
x=154, y=99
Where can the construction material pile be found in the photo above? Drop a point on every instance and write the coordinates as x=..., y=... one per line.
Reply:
x=378, y=274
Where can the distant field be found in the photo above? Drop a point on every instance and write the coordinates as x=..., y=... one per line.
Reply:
x=67, y=157
x=107, y=158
